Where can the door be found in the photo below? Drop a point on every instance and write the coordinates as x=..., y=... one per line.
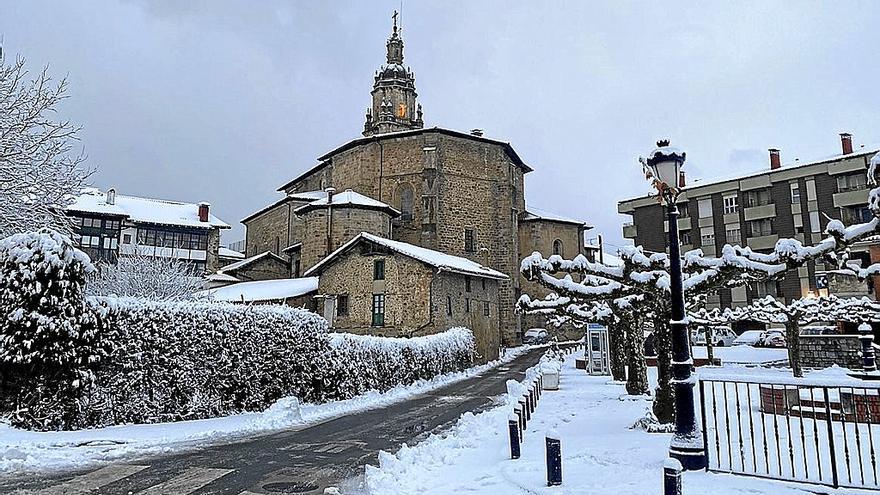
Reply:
x=330, y=309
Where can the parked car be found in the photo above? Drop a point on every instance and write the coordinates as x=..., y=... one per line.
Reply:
x=650, y=345
x=749, y=337
x=536, y=336
x=772, y=338
x=819, y=330
x=721, y=336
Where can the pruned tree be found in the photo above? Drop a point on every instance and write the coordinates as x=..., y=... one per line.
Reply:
x=647, y=275
x=40, y=173
x=792, y=316
x=144, y=276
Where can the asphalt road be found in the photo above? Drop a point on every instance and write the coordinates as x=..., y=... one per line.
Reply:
x=302, y=461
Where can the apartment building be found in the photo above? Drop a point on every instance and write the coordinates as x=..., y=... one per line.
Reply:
x=757, y=209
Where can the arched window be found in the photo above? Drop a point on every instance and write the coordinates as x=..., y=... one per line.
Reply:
x=557, y=247
x=405, y=201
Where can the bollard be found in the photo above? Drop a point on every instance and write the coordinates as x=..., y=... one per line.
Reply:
x=522, y=420
x=529, y=403
x=866, y=336
x=672, y=477
x=554, y=458
x=534, y=398
x=513, y=431
x=525, y=408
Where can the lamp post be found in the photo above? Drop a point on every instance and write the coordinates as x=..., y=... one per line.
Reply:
x=663, y=167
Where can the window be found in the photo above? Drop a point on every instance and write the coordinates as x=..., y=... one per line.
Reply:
x=705, y=207
x=486, y=308
x=762, y=227
x=405, y=195
x=557, y=247
x=766, y=288
x=342, y=305
x=683, y=210
x=795, y=194
x=379, y=270
x=467, y=305
x=126, y=238
x=448, y=305
x=815, y=224
x=469, y=241
x=855, y=214
x=733, y=236
x=378, y=310
x=851, y=182
x=685, y=237
x=758, y=197
x=707, y=236
x=483, y=280
x=731, y=204
x=296, y=267
x=467, y=284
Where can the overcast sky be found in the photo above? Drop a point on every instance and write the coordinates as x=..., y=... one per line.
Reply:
x=225, y=101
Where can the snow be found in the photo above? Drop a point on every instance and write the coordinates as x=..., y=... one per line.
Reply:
x=742, y=354
x=601, y=454
x=145, y=210
x=247, y=261
x=225, y=252
x=533, y=213
x=263, y=290
x=28, y=451
x=347, y=198
x=442, y=261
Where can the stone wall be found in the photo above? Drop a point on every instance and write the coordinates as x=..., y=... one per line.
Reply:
x=212, y=258
x=415, y=299
x=272, y=230
x=822, y=351
x=539, y=235
x=266, y=268
x=346, y=223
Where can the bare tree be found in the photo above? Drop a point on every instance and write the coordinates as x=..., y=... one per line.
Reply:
x=39, y=172
x=145, y=276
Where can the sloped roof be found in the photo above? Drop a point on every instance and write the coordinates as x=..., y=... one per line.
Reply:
x=225, y=252
x=532, y=214
x=238, y=265
x=325, y=159
x=263, y=290
x=221, y=277
x=348, y=198
x=144, y=210
x=305, y=196
x=441, y=261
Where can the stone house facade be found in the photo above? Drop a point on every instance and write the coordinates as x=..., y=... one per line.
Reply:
x=264, y=266
x=377, y=286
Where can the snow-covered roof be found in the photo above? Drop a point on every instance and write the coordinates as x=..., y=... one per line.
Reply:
x=442, y=261
x=533, y=213
x=221, y=277
x=247, y=261
x=348, y=198
x=307, y=195
x=225, y=252
x=144, y=210
x=263, y=290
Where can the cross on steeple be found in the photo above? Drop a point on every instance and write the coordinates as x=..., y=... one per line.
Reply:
x=394, y=16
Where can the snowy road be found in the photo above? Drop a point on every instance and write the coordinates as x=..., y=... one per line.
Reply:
x=302, y=461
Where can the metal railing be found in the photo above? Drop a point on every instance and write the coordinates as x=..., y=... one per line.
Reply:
x=816, y=431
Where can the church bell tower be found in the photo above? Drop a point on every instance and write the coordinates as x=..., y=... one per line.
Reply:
x=394, y=92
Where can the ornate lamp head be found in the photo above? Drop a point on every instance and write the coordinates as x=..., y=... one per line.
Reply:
x=663, y=167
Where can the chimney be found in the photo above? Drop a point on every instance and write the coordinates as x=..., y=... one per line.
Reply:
x=774, y=159
x=477, y=132
x=111, y=196
x=681, y=180
x=846, y=143
x=204, y=208
x=330, y=192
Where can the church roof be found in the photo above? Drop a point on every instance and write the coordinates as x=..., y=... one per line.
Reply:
x=348, y=199
x=441, y=261
x=307, y=196
x=533, y=214
x=325, y=159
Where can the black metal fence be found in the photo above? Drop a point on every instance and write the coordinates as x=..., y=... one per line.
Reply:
x=808, y=431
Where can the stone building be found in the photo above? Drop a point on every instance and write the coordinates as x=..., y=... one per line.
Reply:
x=757, y=209
x=109, y=225
x=458, y=193
x=383, y=287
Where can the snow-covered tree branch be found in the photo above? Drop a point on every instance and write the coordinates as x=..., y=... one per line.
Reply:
x=149, y=277
x=39, y=172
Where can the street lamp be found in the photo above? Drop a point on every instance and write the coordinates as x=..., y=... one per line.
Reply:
x=663, y=168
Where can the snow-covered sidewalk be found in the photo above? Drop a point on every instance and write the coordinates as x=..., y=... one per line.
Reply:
x=601, y=455
x=27, y=451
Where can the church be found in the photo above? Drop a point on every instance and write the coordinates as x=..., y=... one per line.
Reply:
x=443, y=209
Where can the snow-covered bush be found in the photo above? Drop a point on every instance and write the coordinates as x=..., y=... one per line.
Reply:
x=49, y=335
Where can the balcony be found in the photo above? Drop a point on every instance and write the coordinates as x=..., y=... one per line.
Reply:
x=683, y=224
x=759, y=212
x=763, y=242
x=851, y=198
x=629, y=231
